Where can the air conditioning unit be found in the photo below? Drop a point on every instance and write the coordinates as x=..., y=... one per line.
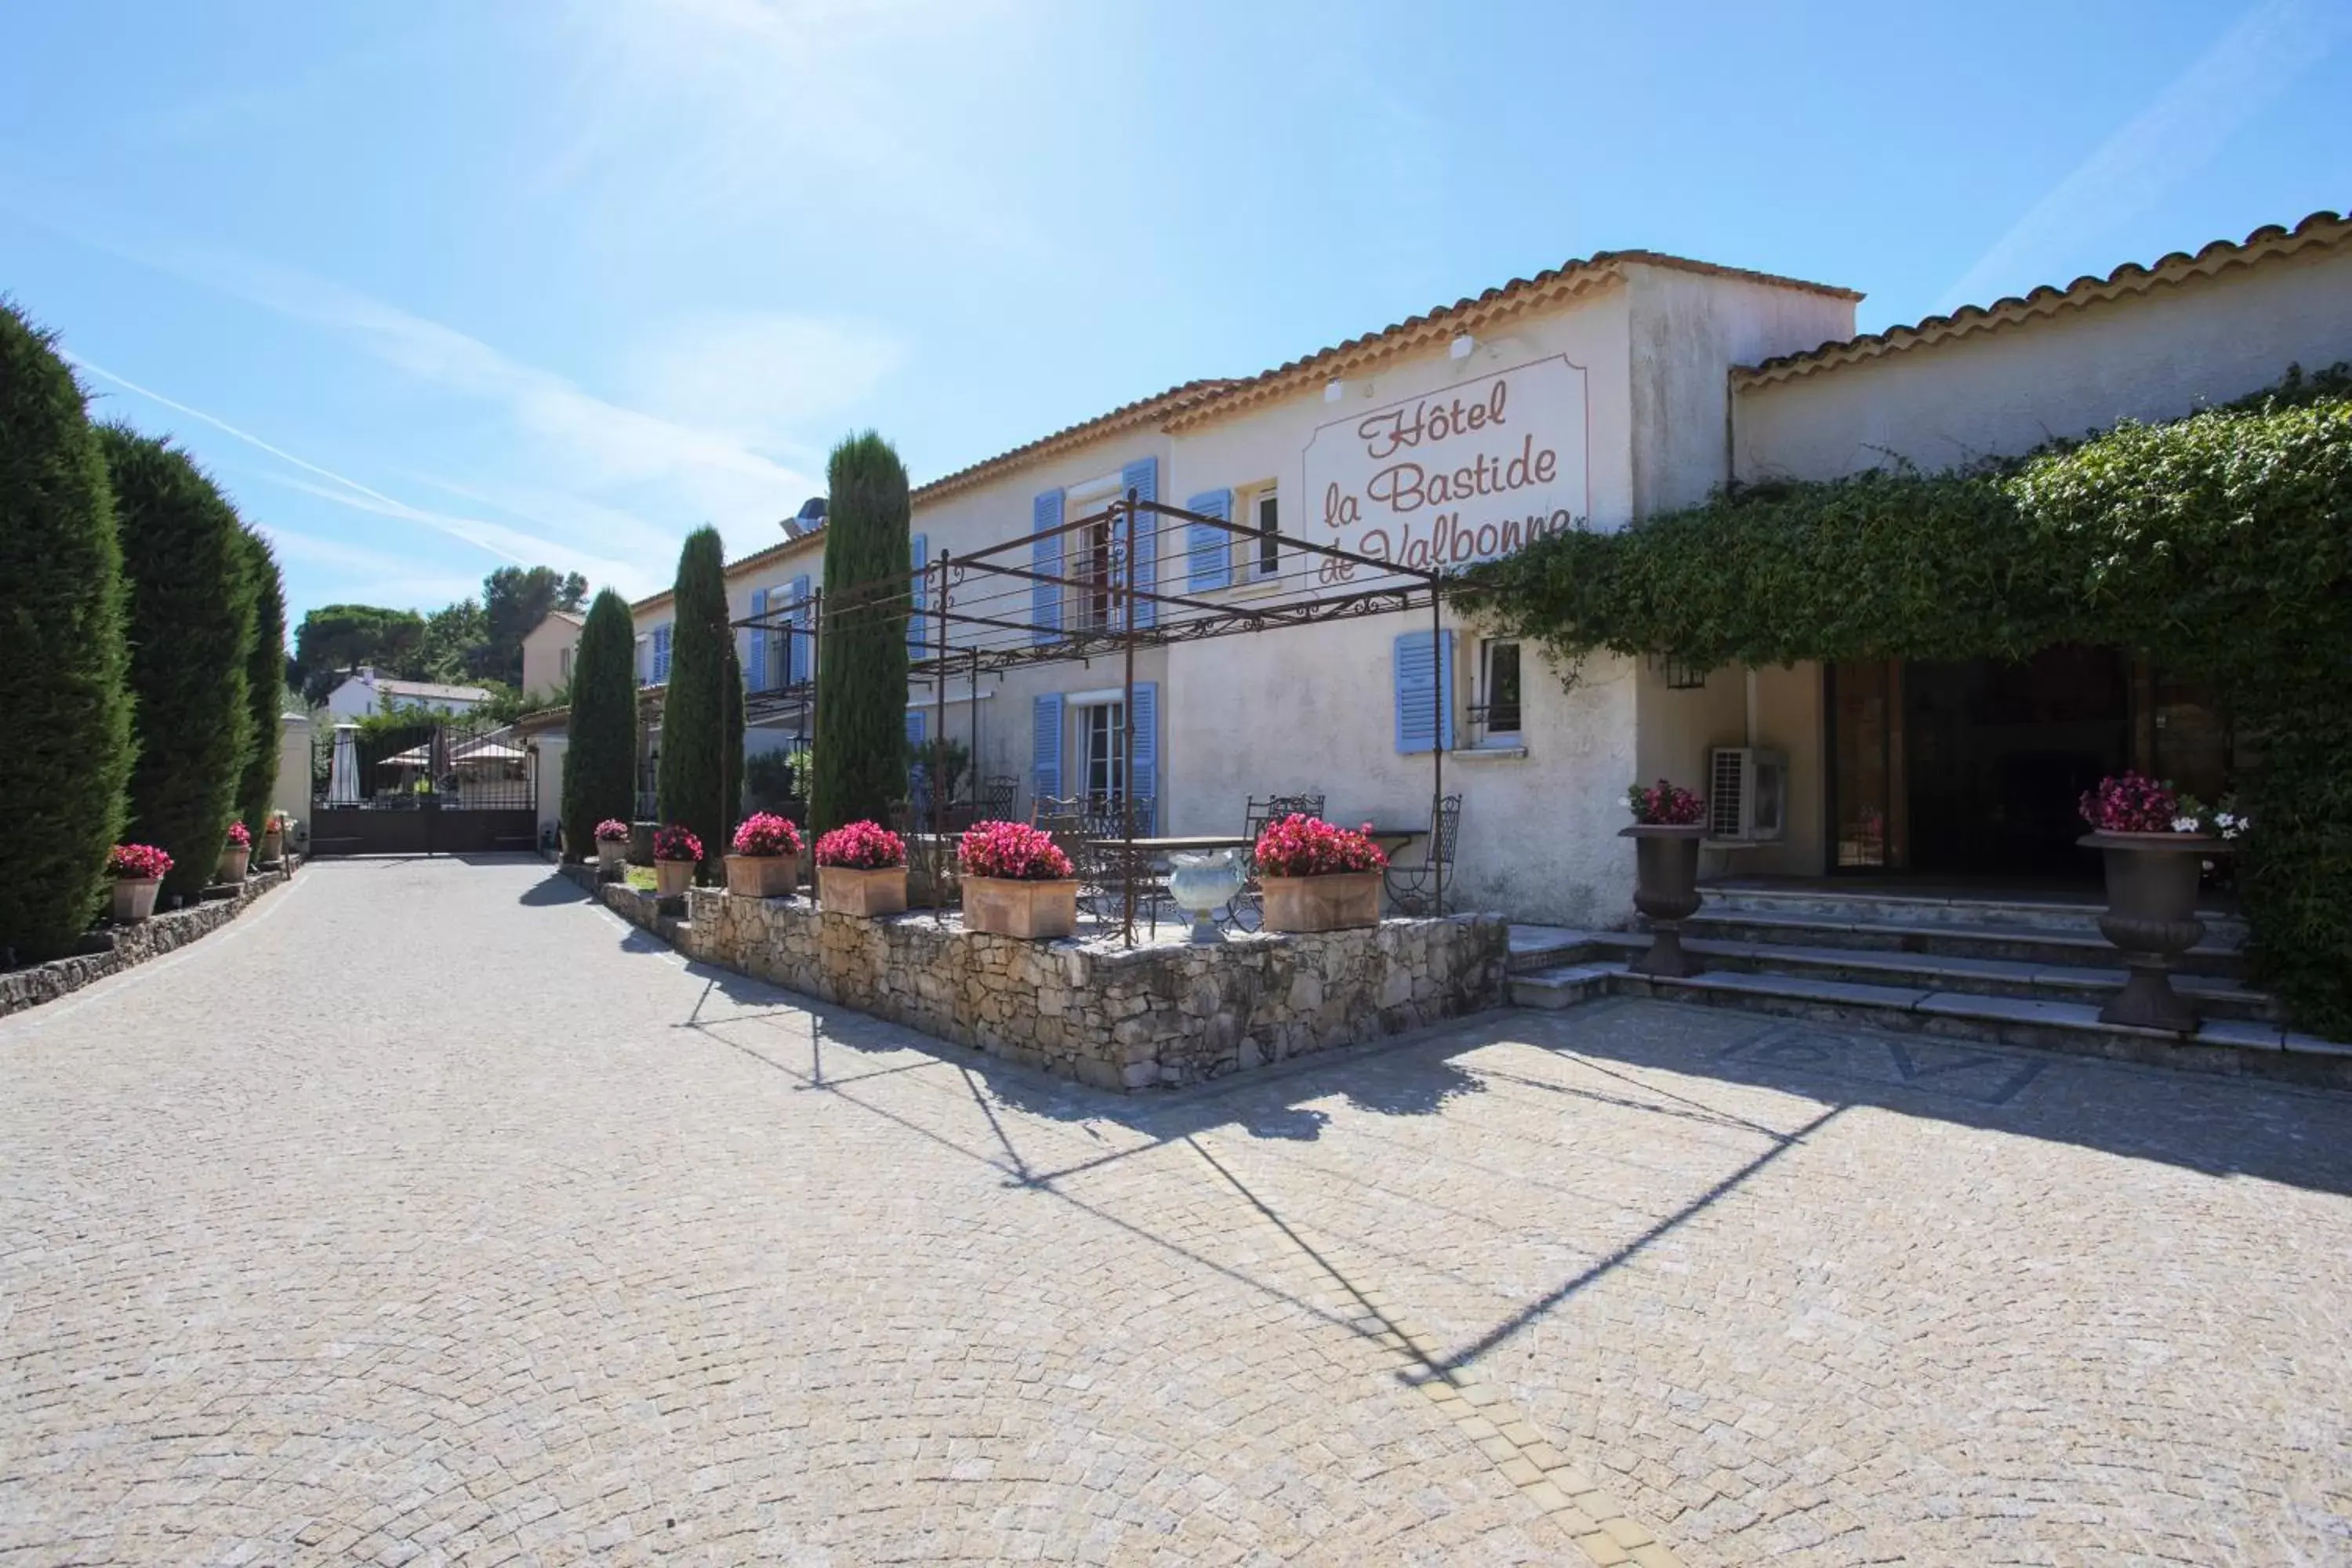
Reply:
x=1747, y=794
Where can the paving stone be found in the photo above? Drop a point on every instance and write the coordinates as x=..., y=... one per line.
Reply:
x=437, y=1214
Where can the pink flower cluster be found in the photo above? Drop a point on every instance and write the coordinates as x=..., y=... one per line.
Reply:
x=675, y=842
x=1303, y=846
x=861, y=846
x=2134, y=803
x=1013, y=851
x=765, y=833
x=612, y=830
x=1664, y=805
x=240, y=836
x=137, y=860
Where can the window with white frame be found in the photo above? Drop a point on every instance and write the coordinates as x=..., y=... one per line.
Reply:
x=1264, y=551
x=1102, y=760
x=1500, y=716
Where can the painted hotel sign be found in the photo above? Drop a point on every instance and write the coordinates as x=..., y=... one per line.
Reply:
x=1463, y=474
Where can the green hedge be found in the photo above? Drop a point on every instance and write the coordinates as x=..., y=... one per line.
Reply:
x=2220, y=544
x=191, y=630
x=65, y=705
x=696, y=710
x=265, y=687
x=861, y=677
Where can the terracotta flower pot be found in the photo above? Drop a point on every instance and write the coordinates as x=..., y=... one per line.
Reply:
x=1665, y=889
x=273, y=847
x=852, y=891
x=762, y=876
x=612, y=857
x=1338, y=901
x=135, y=897
x=233, y=862
x=672, y=877
x=2152, y=916
x=1036, y=910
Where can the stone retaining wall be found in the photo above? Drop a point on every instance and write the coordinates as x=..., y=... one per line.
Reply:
x=127, y=945
x=1103, y=1014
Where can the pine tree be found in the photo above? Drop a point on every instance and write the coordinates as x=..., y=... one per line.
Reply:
x=695, y=708
x=65, y=700
x=861, y=709
x=190, y=626
x=264, y=686
x=600, y=763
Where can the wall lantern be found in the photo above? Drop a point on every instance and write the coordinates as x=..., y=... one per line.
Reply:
x=1334, y=391
x=1462, y=347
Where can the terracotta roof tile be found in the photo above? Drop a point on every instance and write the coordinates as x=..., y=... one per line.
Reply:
x=1143, y=410
x=2320, y=229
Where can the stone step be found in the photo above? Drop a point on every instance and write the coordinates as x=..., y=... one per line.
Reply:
x=2046, y=946
x=2223, y=928
x=2217, y=998
x=2220, y=1043
x=1545, y=947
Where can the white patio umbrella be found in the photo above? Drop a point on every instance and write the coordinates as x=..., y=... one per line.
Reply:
x=344, y=771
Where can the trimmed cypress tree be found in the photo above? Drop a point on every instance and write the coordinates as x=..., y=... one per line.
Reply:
x=861, y=680
x=694, y=707
x=600, y=763
x=265, y=687
x=191, y=628
x=65, y=703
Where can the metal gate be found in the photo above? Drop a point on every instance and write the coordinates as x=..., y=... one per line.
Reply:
x=441, y=786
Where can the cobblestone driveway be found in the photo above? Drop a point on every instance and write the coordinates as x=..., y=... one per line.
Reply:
x=429, y=1214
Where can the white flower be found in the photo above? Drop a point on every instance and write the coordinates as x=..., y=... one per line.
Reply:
x=2184, y=825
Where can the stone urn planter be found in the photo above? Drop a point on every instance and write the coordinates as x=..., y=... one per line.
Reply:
x=612, y=857
x=1665, y=889
x=2151, y=916
x=1336, y=900
x=852, y=891
x=1204, y=883
x=135, y=897
x=233, y=862
x=673, y=877
x=762, y=876
x=1036, y=910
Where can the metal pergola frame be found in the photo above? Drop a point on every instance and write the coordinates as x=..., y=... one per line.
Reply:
x=951, y=591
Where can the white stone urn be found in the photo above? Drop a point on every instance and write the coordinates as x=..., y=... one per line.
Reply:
x=1203, y=883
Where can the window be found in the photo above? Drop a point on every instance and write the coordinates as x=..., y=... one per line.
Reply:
x=1101, y=758
x=563, y=666
x=1499, y=680
x=1268, y=546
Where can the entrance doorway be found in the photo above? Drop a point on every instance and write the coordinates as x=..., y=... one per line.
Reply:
x=1974, y=767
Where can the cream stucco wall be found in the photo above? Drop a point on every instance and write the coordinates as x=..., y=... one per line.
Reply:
x=2155, y=355
x=546, y=671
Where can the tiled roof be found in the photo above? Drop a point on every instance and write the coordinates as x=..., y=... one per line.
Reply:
x=1157, y=409
x=2320, y=229
x=1446, y=323
x=428, y=689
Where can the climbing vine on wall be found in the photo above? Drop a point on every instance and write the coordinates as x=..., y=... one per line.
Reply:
x=2219, y=545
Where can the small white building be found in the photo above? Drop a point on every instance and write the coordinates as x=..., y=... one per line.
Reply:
x=363, y=693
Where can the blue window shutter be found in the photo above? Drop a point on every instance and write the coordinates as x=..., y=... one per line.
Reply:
x=758, y=671
x=661, y=654
x=1045, y=742
x=1424, y=692
x=797, y=664
x=1146, y=720
x=919, y=631
x=915, y=717
x=1209, y=552
x=1142, y=476
x=1046, y=555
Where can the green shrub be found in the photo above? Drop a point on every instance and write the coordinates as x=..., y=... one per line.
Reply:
x=191, y=630
x=65, y=702
x=264, y=686
x=600, y=760
x=861, y=679
x=692, y=774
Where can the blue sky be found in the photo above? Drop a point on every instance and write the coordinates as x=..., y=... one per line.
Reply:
x=437, y=286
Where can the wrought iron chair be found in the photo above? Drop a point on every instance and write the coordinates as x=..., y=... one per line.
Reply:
x=997, y=796
x=1055, y=806
x=1110, y=867
x=1418, y=888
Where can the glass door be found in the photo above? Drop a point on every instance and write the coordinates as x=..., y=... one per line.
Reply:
x=1866, y=815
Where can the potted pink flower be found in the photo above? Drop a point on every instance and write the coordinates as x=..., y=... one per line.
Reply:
x=861, y=869
x=612, y=848
x=236, y=855
x=1316, y=876
x=1017, y=882
x=1668, y=823
x=677, y=852
x=2156, y=845
x=766, y=859
x=138, y=870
